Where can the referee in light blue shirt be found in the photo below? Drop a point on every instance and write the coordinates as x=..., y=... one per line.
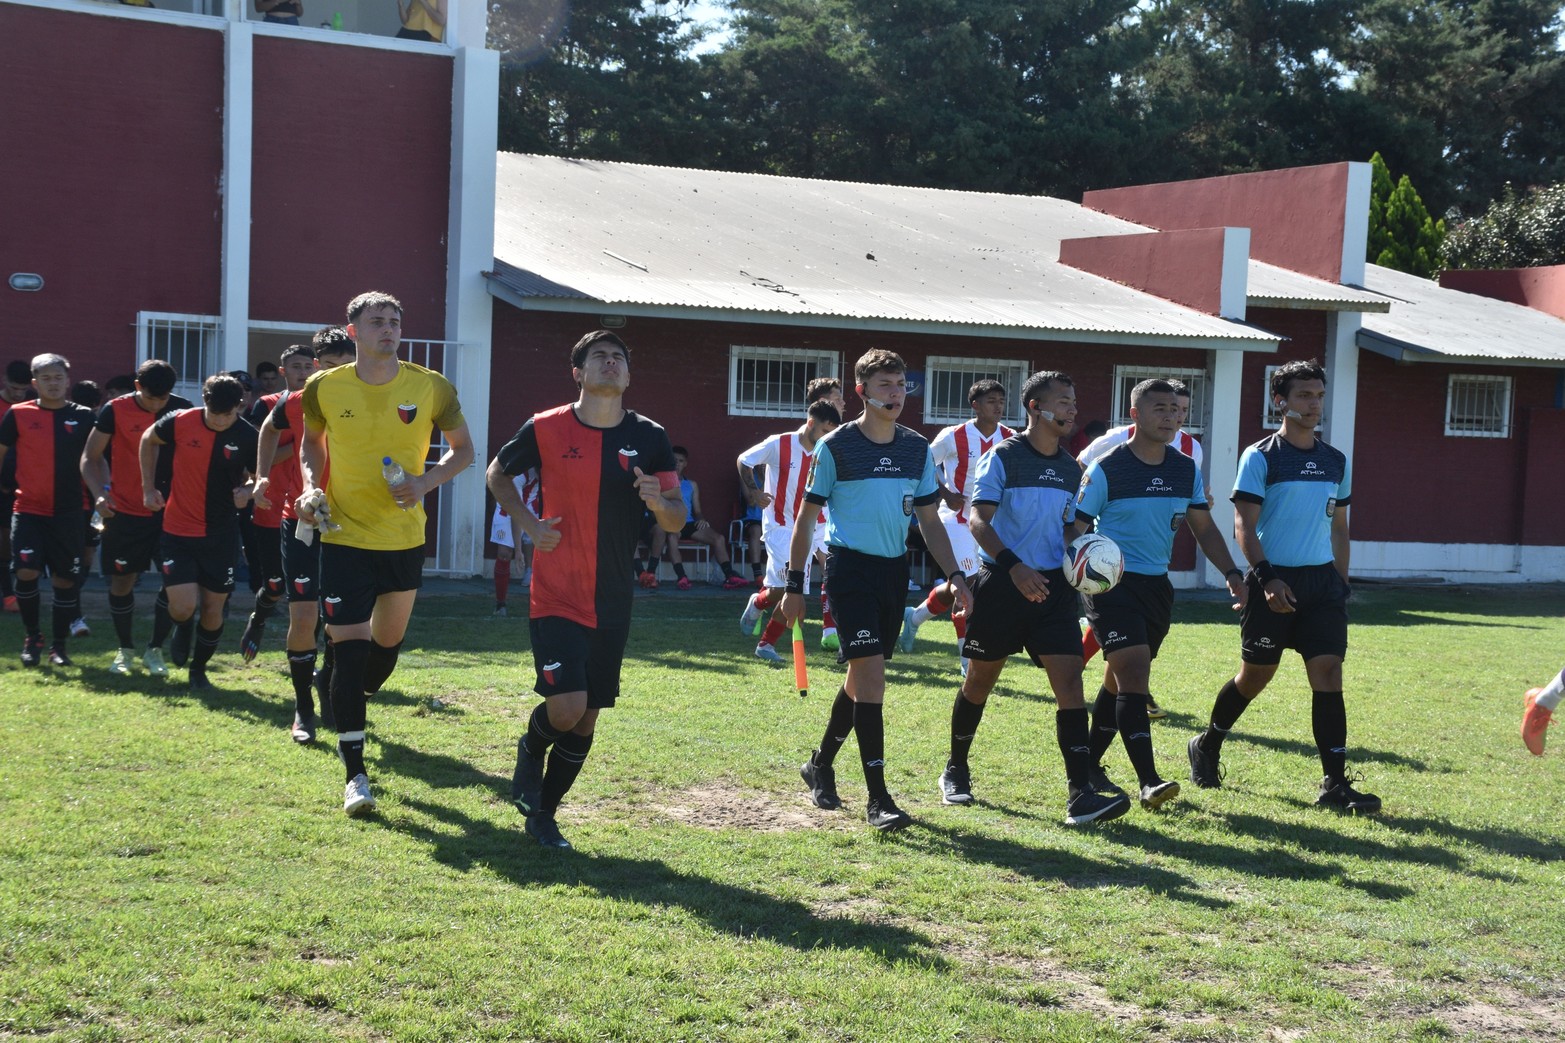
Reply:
x=1291, y=518
x=1137, y=495
x=872, y=475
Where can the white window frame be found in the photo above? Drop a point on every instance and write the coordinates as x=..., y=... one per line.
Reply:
x=1200, y=385
x=779, y=401
x=1013, y=373
x=188, y=378
x=1499, y=426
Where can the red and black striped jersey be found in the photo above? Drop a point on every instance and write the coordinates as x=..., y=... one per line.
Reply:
x=208, y=465
x=288, y=419
x=285, y=480
x=47, y=444
x=587, y=478
x=124, y=421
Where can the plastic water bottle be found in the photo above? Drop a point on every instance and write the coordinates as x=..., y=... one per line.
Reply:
x=392, y=472
x=336, y=20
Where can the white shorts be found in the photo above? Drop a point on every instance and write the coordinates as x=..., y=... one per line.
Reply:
x=963, y=547
x=500, y=531
x=778, y=540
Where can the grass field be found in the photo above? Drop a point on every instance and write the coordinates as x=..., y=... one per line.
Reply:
x=173, y=868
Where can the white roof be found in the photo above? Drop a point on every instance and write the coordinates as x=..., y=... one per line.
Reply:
x=1429, y=323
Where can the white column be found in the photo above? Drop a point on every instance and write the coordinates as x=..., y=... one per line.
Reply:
x=1221, y=446
x=469, y=253
x=1342, y=378
x=238, y=145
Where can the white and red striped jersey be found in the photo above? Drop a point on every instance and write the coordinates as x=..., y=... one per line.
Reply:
x=527, y=488
x=956, y=451
x=787, y=470
x=1100, y=446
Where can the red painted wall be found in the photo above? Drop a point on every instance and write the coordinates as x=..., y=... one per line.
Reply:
x=1185, y=267
x=1296, y=217
x=351, y=180
x=110, y=163
x=1541, y=288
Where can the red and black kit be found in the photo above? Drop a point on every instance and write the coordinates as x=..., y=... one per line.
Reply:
x=207, y=467
x=47, y=444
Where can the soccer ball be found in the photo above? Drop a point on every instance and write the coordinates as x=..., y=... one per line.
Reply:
x=1094, y=564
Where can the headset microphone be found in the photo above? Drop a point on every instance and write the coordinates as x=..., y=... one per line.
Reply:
x=877, y=403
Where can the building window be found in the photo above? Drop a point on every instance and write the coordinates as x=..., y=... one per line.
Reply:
x=947, y=379
x=771, y=381
x=189, y=343
x=1127, y=377
x=1478, y=407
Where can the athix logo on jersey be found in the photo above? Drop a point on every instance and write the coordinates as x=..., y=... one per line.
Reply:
x=548, y=671
x=331, y=606
x=887, y=467
x=407, y=411
x=627, y=459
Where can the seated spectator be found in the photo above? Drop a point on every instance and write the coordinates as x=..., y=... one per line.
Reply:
x=697, y=529
x=422, y=20
x=279, y=12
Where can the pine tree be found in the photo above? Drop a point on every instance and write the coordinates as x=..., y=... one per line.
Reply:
x=1402, y=234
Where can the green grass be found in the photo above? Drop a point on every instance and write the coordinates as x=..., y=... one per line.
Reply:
x=173, y=868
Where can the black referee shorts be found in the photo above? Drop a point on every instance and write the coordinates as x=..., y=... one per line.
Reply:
x=352, y=578
x=1004, y=622
x=1317, y=626
x=1136, y=612
x=868, y=594
x=571, y=657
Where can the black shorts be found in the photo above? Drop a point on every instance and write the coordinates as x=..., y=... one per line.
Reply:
x=267, y=559
x=571, y=657
x=1136, y=612
x=688, y=532
x=207, y=561
x=1004, y=622
x=129, y=543
x=55, y=542
x=868, y=594
x=352, y=578
x=1317, y=626
x=301, y=563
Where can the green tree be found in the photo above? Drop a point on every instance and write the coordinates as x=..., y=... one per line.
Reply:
x=1518, y=230
x=1402, y=235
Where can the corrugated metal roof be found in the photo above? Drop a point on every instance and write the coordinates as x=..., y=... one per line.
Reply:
x=665, y=238
x=1430, y=323
x=1273, y=287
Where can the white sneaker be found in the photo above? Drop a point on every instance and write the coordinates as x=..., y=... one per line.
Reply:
x=768, y=654
x=909, y=630
x=123, y=659
x=152, y=659
x=356, y=796
x=750, y=618
x=79, y=628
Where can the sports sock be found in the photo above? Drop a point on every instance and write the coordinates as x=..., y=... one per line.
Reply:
x=763, y=599
x=1225, y=714
x=206, y=644
x=960, y=622
x=1070, y=731
x=679, y=571
x=728, y=568
x=122, y=612
x=965, y=716
x=757, y=570
x=1135, y=731
x=1329, y=718
x=827, y=620
x=1549, y=698
x=301, y=671
x=540, y=733
x=565, y=761
x=869, y=726
x=774, y=630
x=350, y=747
x=930, y=607
x=27, y=604
x=347, y=684
x=67, y=606
x=502, y=580
x=838, y=728
x=1089, y=645
x=382, y=661
x=1105, y=723
x=162, y=622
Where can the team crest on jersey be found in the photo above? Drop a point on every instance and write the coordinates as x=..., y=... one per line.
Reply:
x=331, y=606
x=301, y=584
x=1331, y=507
x=548, y=672
x=627, y=459
x=70, y=425
x=229, y=449
x=907, y=506
x=407, y=411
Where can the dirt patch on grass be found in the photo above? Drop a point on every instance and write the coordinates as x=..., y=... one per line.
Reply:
x=726, y=805
x=1512, y=1016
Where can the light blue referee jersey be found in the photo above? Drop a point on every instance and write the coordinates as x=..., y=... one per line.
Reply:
x=871, y=489
x=1032, y=495
x=1299, y=491
x=1140, y=506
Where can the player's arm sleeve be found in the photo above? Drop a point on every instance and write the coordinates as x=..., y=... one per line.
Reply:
x=1250, y=483
x=763, y=453
x=105, y=421
x=823, y=475
x=280, y=412
x=1092, y=495
x=448, y=410
x=163, y=428
x=1345, y=487
x=310, y=406
x=928, y=488
x=521, y=453
x=989, y=482
x=257, y=413
x=252, y=445
x=1198, y=493
x=1197, y=453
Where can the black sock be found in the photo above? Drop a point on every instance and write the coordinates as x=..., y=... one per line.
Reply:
x=838, y=728
x=1105, y=723
x=301, y=671
x=869, y=725
x=347, y=685
x=67, y=605
x=1329, y=716
x=1070, y=730
x=352, y=753
x=965, y=716
x=1135, y=731
x=206, y=644
x=162, y=622
x=382, y=660
x=1226, y=711
x=122, y=611
x=265, y=605
x=27, y=604
x=679, y=571
x=757, y=570
x=540, y=733
x=727, y=567
x=565, y=761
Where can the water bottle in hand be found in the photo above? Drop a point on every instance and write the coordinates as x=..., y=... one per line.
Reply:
x=393, y=473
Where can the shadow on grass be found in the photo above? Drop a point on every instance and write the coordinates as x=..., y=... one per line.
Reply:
x=1357, y=755
x=1497, y=841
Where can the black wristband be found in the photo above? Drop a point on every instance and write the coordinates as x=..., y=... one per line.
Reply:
x=795, y=584
x=951, y=579
x=1234, y=572
x=1264, y=571
x=1007, y=559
